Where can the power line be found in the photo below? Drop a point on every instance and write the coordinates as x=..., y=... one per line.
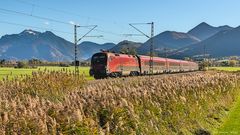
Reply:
x=48, y=8
x=107, y=32
x=52, y=20
x=54, y=30
x=132, y=25
x=67, y=12
x=42, y=28
x=109, y=40
x=114, y=34
x=130, y=35
x=34, y=16
x=58, y=21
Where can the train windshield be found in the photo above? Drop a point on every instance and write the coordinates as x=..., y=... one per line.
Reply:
x=99, y=58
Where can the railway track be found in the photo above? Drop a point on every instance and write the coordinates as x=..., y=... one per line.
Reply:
x=146, y=76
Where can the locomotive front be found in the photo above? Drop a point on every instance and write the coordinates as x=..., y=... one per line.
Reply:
x=99, y=65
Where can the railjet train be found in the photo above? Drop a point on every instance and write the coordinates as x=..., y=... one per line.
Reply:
x=107, y=64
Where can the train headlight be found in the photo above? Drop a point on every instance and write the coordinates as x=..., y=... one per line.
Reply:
x=91, y=72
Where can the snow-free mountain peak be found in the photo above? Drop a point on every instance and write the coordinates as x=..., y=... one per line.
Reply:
x=204, y=31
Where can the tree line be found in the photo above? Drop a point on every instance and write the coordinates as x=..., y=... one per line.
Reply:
x=34, y=63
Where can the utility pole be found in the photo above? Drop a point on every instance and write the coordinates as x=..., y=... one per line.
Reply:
x=204, y=56
x=76, y=64
x=76, y=40
x=204, y=52
x=165, y=52
x=151, y=49
x=205, y=59
x=151, y=41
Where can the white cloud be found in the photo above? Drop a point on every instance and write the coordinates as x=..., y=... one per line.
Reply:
x=46, y=23
x=72, y=22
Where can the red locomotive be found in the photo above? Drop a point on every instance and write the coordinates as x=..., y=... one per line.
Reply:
x=107, y=64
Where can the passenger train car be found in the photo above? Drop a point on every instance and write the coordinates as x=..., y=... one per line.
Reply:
x=107, y=64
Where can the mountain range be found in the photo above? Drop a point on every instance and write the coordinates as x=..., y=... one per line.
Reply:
x=170, y=40
x=204, y=31
x=126, y=45
x=217, y=41
x=47, y=46
x=224, y=43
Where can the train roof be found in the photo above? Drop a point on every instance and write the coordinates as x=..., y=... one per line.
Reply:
x=119, y=54
x=147, y=57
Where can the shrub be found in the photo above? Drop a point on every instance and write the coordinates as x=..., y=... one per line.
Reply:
x=64, y=65
x=21, y=64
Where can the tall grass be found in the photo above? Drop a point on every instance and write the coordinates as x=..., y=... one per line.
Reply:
x=53, y=103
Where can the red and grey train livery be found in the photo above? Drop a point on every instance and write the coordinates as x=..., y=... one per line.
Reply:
x=107, y=64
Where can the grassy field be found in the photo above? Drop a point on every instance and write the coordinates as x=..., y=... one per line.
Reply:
x=231, y=123
x=12, y=72
x=226, y=68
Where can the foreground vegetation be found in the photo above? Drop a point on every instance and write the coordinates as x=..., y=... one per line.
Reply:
x=53, y=103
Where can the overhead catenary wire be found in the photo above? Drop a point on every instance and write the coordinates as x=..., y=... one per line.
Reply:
x=54, y=30
x=41, y=28
x=55, y=20
x=94, y=26
x=109, y=40
x=49, y=19
x=130, y=35
x=34, y=5
x=52, y=9
x=34, y=16
x=69, y=13
x=106, y=32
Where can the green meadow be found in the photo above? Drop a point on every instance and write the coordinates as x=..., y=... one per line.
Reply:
x=231, y=124
x=13, y=72
x=226, y=68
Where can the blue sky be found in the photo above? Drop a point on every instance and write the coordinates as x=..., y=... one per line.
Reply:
x=112, y=17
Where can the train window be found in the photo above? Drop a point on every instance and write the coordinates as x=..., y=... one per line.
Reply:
x=162, y=63
x=99, y=59
x=173, y=64
x=156, y=63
